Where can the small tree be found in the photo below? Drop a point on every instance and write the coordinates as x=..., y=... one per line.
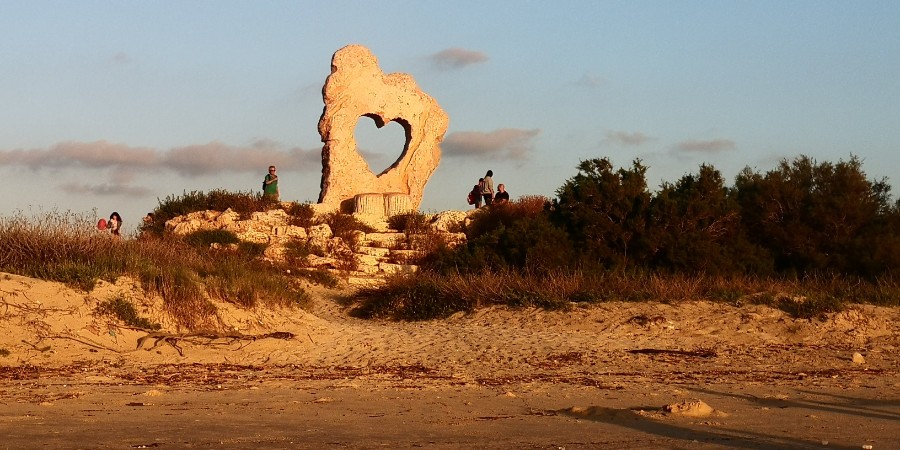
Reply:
x=605, y=212
x=813, y=216
x=696, y=227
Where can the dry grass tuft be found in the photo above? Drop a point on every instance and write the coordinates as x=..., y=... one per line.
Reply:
x=67, y=247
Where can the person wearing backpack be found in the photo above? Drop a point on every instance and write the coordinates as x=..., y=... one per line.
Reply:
x=270, y=184
x=475, y=194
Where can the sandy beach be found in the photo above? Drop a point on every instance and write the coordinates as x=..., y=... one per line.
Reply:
x=614, y=375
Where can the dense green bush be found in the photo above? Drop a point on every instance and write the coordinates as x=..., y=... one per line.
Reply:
x=802, y=217
x=125, y=311
x=205, y=238
x=343, y=225
x=301, y=214
x=605, y=213
x=518, y=234
x=695, y=227
x=820, y=217
x=410, y=222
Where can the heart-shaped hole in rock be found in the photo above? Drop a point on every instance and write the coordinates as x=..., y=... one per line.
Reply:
x=380, y=145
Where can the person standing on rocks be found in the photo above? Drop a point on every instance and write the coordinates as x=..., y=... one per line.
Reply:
x=476, y=193
x=270, y=184
x=487, y=189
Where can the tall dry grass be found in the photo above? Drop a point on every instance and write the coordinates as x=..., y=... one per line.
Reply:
x=429, y=295
x=67, y=247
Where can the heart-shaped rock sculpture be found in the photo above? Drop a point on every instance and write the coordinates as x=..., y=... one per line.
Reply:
x=357, y=87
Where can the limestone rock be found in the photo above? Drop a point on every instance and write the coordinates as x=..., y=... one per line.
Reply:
x=383, y=240
x=185, y=227
x=227, y=218
x=271, y=218
x=691, y=408
x=858, y=358
x=365, y=282
x=373, y=251
x=321, y=231
x=393, y=269
x=357, y=87
x=452, y=221
x=366, y=260
x=405, y=256
x=377, y=222
x=257, y=237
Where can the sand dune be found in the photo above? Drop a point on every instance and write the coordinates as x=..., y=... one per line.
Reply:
x=605, y=364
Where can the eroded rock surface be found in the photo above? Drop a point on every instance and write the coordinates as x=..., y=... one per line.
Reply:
x=357, y=87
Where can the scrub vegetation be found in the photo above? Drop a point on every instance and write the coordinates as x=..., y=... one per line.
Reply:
x=806, y=237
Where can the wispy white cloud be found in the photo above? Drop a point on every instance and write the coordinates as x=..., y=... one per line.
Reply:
x=457, y=58
x=96, y=155
x=121, y=165
x=705, y=146
x=204, y=159
x=635, y=138
x=590, y=81
x=506, y=143
x=106, y=189
x=121, y=58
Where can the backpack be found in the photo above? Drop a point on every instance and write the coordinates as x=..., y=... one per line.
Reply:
x=471, y=198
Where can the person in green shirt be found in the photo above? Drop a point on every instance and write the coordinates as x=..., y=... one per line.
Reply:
x=270, y=184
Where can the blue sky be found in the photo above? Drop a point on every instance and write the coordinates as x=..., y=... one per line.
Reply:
x=114, y=105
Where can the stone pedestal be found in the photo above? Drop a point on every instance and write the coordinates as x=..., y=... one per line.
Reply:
x=397, y=204
x=382, y=205
x=372, y=204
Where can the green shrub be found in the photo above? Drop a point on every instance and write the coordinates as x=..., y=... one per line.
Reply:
x=605, y=213
x=518, y=234
x=318, y=276
x=252, y=250
x=409, y=298
x=343, y=225
x=296, y=251
x=205, y=238
x=301, y=214
x=410, y=222
x=123, y=310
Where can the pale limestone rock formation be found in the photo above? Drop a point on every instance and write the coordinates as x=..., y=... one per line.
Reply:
x=357, y=87
x=321, y=231
x=377, y=222
x=452, y=221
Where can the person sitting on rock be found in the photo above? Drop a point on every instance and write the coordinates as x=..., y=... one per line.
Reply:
x=502, y=196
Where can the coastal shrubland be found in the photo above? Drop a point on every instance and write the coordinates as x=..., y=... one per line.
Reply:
x=805, y=237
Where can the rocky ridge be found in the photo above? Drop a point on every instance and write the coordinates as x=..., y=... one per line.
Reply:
x=361, y=258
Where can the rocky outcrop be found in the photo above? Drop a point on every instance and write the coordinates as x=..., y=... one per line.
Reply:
x=357, y=87
x=361, y=259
